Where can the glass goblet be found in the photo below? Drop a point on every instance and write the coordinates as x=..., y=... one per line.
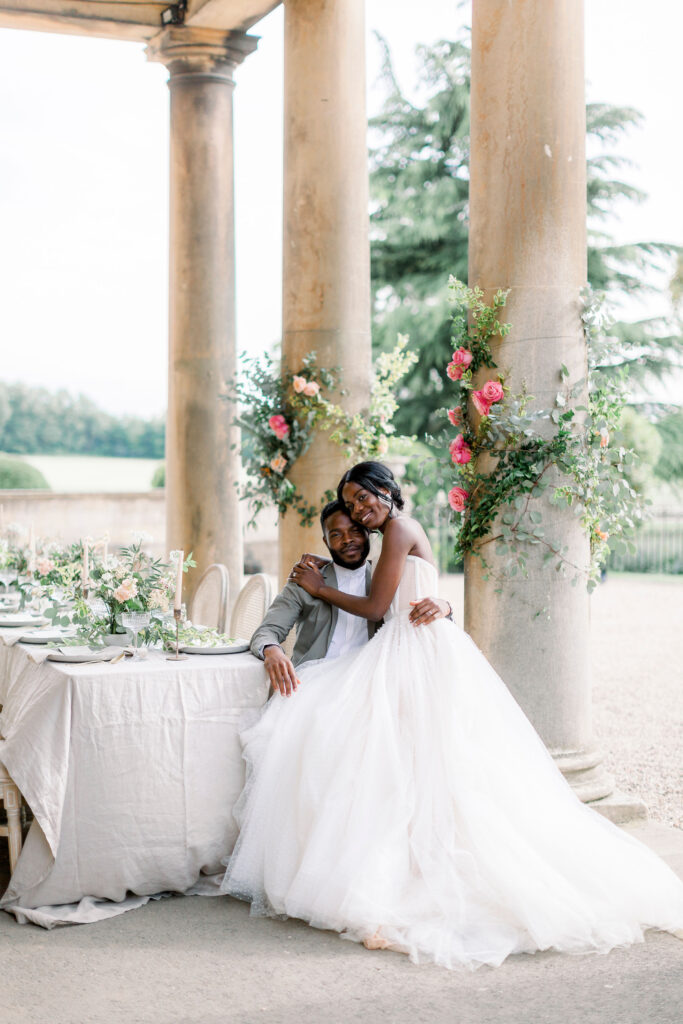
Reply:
x=135, y=622
x=7, y=576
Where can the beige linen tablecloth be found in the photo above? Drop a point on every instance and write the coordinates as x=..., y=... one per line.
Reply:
x=131, y=771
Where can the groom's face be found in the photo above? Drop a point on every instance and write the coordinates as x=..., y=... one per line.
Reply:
x=347, y=542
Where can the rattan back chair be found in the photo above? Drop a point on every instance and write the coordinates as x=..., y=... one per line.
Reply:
x=211, y=600
x=253, y=601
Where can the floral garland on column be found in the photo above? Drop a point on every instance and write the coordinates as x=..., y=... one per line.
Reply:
x=502, y=461
x=279, y=412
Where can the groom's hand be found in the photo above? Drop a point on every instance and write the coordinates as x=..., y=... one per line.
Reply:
x=280, y=670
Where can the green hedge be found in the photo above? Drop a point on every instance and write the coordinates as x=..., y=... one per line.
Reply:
x=16, y=475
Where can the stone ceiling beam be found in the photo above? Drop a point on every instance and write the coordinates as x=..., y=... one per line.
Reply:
x=236, y=15
x=133, y=21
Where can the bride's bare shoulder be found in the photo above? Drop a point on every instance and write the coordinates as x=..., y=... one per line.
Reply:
x=405, y=527
x=409, y=533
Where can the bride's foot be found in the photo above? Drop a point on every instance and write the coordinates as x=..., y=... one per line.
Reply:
x=377, y=941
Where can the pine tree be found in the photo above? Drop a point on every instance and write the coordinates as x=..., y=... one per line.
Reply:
x=419, y=183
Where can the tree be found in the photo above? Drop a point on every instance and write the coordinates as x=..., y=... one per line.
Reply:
x=39, y=421
x=419, y=182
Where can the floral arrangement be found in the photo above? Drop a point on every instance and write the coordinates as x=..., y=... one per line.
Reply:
x=131, y=581
x=280, y=411
x=502, y=461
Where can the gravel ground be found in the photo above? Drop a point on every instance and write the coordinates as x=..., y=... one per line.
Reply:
x=637, y=658
x=637, y=662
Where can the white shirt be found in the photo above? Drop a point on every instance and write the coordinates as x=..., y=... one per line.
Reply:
x=351, y=631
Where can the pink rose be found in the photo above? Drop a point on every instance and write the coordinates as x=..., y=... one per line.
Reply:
x=461, y=452
x=462, y=357
x=455, y=416
x=454, y=371
x=457, y=498
x=278, y=424
x=278, y=463
x=44, y=566
x=311, y=388
x=480, y=404
x=299, y=383
x=493, y=391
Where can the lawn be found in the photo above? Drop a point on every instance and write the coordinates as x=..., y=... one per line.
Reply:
x=94, y=473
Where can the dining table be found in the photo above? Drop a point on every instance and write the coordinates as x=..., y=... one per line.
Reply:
x=131, y=771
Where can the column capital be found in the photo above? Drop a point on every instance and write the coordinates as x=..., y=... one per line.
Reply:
x=208, y=52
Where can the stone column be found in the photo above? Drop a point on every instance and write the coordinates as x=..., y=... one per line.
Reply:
x=326, y=262
x=203, y=513
x=528, y=233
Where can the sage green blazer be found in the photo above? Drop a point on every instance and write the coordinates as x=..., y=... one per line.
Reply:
x=315, y=620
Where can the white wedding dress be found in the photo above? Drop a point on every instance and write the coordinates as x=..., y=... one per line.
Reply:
x=402, y=791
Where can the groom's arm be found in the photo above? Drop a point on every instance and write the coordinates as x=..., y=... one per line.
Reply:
x=281, y=617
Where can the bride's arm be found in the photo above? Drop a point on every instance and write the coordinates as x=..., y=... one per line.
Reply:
x=398, y=539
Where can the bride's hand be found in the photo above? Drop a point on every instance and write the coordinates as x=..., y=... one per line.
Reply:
x=317, y=560
x=308, y=577
x=429, y=609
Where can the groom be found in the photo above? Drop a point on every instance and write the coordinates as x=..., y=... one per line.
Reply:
x=324, y=631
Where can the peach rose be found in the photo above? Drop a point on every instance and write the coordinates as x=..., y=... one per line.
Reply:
x=462, y=357
x=278, y=424
x=602, y=535
x=457, y=498
x=278, y=463
x=492, y=392
x=455, y=416
x=299, y=383
x=311, y=388
x=480, y=404
x=44, y=566
x=604, y=437
x=126, y=590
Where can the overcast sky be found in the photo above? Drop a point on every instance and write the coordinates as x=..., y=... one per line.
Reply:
x=84, y=184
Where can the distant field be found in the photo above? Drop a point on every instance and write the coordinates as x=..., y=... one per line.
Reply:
x=92, y=473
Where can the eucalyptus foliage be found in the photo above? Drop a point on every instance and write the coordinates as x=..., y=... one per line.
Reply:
x=508, y=452
x=279, y=412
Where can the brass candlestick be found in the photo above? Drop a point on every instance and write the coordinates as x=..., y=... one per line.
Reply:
x=177, y=656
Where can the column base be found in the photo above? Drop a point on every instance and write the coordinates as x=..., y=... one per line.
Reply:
x=584, y=772
x=595, y=787
x=620, y=808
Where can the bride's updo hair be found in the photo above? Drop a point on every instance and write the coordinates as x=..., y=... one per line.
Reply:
x=376, y=478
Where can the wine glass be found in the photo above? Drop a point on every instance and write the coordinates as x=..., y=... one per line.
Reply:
x=8, y=576
x=135, y=622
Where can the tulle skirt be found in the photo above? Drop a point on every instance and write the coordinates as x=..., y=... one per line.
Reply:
x=402, y=791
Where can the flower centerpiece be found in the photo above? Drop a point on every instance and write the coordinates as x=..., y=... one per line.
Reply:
x=131, y=581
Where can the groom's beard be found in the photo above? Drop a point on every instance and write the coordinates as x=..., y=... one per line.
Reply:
x=339, y=560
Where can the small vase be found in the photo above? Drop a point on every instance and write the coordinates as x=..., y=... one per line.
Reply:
x=115, y=639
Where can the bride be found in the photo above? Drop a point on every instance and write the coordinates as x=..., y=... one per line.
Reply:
x=403, y=799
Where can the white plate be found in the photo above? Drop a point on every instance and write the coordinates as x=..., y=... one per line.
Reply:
x=237, y=648
x=45, y=636
x=8, y=621
x=82, y=654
